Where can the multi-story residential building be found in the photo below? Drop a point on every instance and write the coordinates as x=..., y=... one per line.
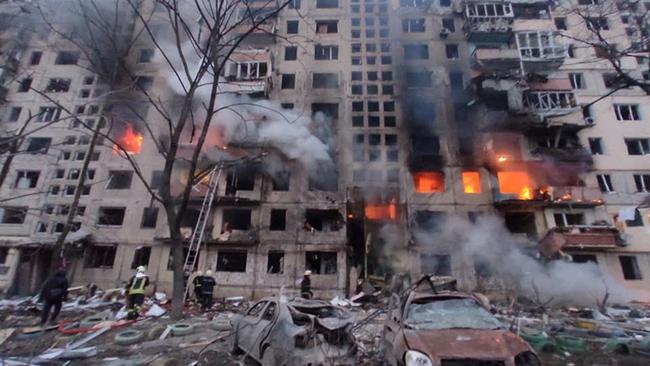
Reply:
x=432, y=110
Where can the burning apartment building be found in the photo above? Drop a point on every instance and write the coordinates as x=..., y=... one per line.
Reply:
x=376, y=122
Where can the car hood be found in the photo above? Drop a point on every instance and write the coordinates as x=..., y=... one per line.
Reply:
x=465, y=343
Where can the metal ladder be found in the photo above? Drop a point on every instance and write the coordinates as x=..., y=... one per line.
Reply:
x=199, y=230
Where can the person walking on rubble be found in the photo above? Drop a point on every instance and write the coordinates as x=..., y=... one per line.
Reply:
x=207, y=289
x=305, y=286
x=53, y=294
x=196, y=282
x=135, y=292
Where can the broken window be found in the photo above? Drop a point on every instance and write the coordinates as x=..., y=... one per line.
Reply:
x=596, y=145
x=521, y=223
x=416, y=51
x=25, y=85
x=630, y=267
x=99, y=256
x=323, y=176
x=14, y=114
x=240, y=179
x=111, y=216
x=605, y=182
x=236, y=219
x=329, y=109
x=642, y=182
x=413, y=25
x=517, y=183
x=58, y=85
x=48, y=114
x=327, y=26
x=638, y=146
x=568, y=219
x=67, y=58
x=325, y=80
x=451, y=50
x=248, y=70
x=156, y=179
x=12, y=215
x=597, y=23
x=583, y=258
x=170, y=259
x=144, y=83
x=278, y=220
x=418, y=79
x=471, y=182
x=281, y=180
x=149, y=217
x=26, y=179
x=430, y=220
x=275, y=262
x=627, y=112
x=539, y=44
x=190, y=218
x=322, y=52
x=292, y=26
x=35, y=58
x=39, y=145
x=439, y=265
x=231, y=260
x=119, y=179
x=577, y=80
x=323, y=220
x=321, y=262
x=327, y=4
x=429, y=182
x=146, y=55
x=288, y=81
x=141, y=257
x=638, y=220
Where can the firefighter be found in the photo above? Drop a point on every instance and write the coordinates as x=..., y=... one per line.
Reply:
x=305, y=285
x=53, y=294
x=135, y=292
x=196, y=282
x=207, y=290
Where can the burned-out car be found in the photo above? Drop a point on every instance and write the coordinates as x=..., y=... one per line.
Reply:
x=449, y=328
x=277, y=331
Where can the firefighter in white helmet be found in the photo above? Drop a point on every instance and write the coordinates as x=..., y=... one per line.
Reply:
x=135, y=292
x=305, y=285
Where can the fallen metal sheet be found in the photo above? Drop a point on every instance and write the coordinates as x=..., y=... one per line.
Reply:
x=165, y=333
x=5, y=334
x=87, y=339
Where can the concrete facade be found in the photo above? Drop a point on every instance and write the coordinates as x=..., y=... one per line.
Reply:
x=423, y=99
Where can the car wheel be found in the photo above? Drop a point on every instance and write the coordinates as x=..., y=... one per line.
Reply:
x=234, y=345
x=268, y=357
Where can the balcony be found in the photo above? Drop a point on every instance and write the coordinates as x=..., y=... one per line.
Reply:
x=571, y=155
x=579, y=238
x=237, y=237
x=489, y=22
x=496, y=59
x=574, y=196
x=550, y=103
x=249, y=72
x=539, y=50
x=548, y=196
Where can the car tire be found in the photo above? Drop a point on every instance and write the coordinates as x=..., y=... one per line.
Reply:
x=128, y=337
x=182, y=329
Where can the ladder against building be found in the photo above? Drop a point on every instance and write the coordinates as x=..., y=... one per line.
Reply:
x=196, y=240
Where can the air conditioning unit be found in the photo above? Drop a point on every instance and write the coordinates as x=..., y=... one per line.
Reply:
x=444, y=32
x=589, y=120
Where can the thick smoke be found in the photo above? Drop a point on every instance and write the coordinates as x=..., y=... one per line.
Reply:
x=489, y=242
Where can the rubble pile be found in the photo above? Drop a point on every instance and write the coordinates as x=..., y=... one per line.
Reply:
x=570, y=333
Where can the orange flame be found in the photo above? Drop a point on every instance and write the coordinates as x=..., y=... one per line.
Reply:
x=472, y=182
x=381, y=212
x=502, y=158
x=131, y=141
x=518, y=183
x=429, y=182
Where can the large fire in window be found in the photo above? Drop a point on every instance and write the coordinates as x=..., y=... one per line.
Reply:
x=381, y=212
x=471, y=182
x=518, y=183
x=429, y=182
x=130, y=140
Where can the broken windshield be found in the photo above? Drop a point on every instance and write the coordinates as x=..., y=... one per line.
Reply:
x=451, y=313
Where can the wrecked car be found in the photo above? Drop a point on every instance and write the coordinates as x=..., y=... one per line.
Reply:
x=277, y=331
x=449, y=328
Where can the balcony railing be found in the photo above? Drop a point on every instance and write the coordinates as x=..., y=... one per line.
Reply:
x=580, y=237
x=579, y=154
x=550, y=103
x=539, y=46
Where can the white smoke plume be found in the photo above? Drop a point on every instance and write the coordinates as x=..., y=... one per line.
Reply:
x=489, y=242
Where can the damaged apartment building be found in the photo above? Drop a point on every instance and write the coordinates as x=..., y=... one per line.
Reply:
x=437, y=109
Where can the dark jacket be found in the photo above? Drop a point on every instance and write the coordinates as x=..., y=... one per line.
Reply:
x=140, y=286
x=305, y=284
x=56, y=288
x=207, y=285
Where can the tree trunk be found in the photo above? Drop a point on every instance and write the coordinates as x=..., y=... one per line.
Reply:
x=178, y=282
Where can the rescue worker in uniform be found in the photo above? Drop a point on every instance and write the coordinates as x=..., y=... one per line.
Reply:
x=53, y=294
x=135, y=292
x=207, y=289
x=305, y=286
x=196, y=282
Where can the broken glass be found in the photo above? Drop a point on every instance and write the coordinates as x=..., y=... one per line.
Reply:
x=450, y=314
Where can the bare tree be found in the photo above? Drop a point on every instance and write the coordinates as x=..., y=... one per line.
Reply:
x=615, y=45
x=193, y=40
